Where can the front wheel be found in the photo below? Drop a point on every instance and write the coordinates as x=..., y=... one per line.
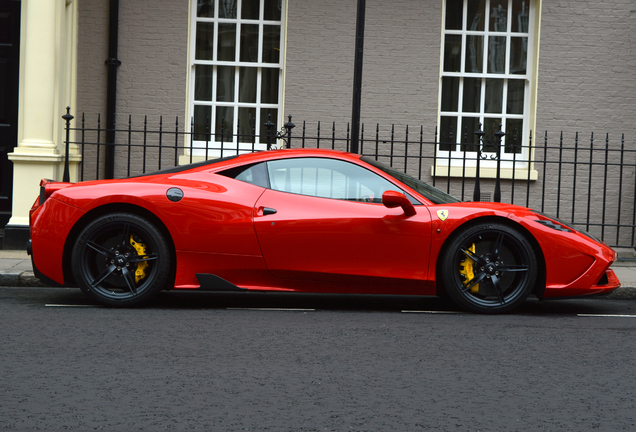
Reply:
x=121, y=259
x=489, y=268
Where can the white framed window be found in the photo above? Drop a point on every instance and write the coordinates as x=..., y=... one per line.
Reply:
x=486, y=78
x=236, y=73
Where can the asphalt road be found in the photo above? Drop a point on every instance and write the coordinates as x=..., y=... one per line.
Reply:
x=215, y=362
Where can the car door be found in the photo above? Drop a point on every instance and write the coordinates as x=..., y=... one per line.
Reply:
x=323, y=219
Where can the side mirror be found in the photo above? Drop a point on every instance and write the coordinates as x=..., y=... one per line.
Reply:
x=393, y=199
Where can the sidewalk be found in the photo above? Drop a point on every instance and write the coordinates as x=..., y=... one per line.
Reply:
x=16, y=271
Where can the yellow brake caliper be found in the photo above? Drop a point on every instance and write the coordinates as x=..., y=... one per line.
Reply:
x=467, y=270
x=140, y=272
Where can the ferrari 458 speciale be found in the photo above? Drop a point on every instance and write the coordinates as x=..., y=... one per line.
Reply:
x=315, y=221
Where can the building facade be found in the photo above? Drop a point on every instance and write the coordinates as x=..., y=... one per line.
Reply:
x=447, y=65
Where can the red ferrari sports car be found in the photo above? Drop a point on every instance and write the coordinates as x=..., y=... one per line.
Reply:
x=315, y=221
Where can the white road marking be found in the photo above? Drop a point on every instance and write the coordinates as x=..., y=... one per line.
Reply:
x=69, y=305
x=605, y=316
x=274, y=309
x=432, y=312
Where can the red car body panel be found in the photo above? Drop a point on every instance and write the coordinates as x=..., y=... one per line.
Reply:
x=310, y=244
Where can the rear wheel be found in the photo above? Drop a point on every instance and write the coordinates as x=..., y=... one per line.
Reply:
x=121, y=259
x=489, y=268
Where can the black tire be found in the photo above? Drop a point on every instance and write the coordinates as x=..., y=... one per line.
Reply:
x=121, y=259
x=489, y=268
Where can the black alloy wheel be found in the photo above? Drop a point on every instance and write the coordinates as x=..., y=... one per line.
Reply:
x=489, y=268
x=121, y=259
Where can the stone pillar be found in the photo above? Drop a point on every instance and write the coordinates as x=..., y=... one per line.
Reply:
x=47, y=83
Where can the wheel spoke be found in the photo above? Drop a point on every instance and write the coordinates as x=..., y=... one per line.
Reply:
x=125, y=237
x=474, y=281
x=141, y=258
x=513, y=268
x=129, y=280
x=496, y=246
x=470, y=254
x=100, y=249
x=103, y=275
x=495, y=284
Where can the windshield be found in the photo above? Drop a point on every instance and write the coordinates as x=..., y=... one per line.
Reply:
x=432, y=194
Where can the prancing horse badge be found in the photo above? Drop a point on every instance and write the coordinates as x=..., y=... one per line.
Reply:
x=442, y=214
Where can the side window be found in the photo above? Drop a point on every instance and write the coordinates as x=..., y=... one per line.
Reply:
x=327, y=178
x=253, y=174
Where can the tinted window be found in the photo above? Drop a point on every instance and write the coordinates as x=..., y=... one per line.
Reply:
x=327, y=178
x=253, y=174
x=431, y=193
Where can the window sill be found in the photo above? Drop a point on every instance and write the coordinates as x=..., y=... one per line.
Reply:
x=484, y=172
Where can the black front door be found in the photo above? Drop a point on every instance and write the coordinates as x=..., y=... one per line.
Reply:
x=9, y=73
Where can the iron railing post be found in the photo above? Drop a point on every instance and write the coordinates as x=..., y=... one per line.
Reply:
x=67, y=118
x=480, y=136
x=498, y=136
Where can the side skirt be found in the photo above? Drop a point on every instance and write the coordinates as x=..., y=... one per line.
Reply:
x=210, y=282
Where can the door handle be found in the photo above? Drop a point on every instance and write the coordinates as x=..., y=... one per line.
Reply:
x=265, y=211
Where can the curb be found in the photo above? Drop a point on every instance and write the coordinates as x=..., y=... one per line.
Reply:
x=22, y=279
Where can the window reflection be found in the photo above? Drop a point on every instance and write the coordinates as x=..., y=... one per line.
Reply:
x=475, y=16
x=474, y=53
x=269, y=85
x=225, y=83
x=271, y=43
x=520, y=16
x=454, y=14
x=227, y=8
x=273, y=9
x=498, y=15
x=496, y=54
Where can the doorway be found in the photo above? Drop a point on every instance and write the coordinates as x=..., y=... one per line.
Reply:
x=9, y=74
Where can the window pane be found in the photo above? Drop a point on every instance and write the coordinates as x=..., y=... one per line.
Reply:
x=327, y=178
x=246, y=125
x=249, y=9
x=269, y=114
x=475, y=16
x=447, y=133
x=203, y=83
x=226, y=49
x=225, y=83
x=454, y=14
x=472, y=95
x=514, y=129
x=494, y=96
x=227, y=8
x=247, y=84
x=271, y=43
x=516, y=94
x=202, y=116
x=496, y=54
x=468, y=139
x=452, y=53
x=450, y=93
x=269, y=86
x=520, y=16
x=249, y=43
x=205, y=8
x=474, y=54
x=518, y=55
x=498, y=15
x=272, y=10
x=224, y=124
x=491, y=126
x=205, y=41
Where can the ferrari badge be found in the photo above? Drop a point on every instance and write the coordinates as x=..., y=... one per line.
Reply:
x=442, y=214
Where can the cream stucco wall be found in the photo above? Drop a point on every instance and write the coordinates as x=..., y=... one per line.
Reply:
x=47, y=86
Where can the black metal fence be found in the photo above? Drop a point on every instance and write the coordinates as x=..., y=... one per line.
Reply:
x=587, y=182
